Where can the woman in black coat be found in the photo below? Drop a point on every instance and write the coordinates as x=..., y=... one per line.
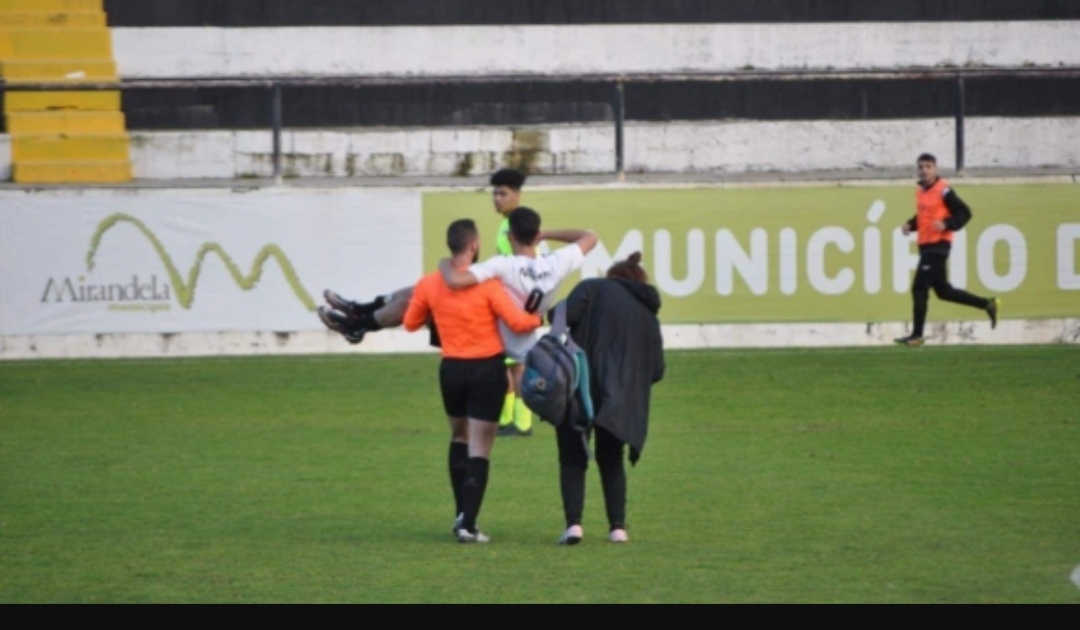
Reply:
x=614, y=320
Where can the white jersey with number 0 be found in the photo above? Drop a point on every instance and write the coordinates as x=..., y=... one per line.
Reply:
x=521, y=275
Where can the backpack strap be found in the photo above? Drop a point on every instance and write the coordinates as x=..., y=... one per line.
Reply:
x=582, y=391
x=558, y=322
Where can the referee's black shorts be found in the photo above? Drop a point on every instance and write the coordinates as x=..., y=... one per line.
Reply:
x=474, y=388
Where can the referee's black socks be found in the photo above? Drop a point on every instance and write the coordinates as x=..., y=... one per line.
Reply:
x=459, y=464
x=476, y=480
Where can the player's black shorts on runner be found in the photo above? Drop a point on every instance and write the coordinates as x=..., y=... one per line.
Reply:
x=474, y=388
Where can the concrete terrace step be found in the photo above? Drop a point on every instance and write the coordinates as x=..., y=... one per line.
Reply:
x=74, y=147
x=57, y=70
x=72, y=172
x=54, y=101
x=55, y=44
x=51, y=6
x=65, y=122
x=42, y=19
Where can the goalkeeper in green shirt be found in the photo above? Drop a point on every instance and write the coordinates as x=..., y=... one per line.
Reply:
x=516, y=419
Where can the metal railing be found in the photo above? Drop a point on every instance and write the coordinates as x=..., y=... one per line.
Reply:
x=618, y=82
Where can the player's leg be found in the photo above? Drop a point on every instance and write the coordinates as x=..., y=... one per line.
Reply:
x=391, y=315
x=487, y=386
x=573, y=464
x=920, y=296
x=945, y=291
x=458, y=464
x=610, y=459
x=523, y=416
x=506, y=417
x=359, y=319
x=352, y=308
x=454, y=390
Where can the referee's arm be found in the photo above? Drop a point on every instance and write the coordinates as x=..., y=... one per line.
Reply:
x=518, y=320
x=419, y=311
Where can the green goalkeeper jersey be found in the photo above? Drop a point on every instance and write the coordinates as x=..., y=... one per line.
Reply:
x=502, y=240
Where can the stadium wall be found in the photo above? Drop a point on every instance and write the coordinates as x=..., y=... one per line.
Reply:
x=545, y=126
x=677, y=147
x=678, y=337
x=571, y=50
x=216, y=272
x=565, y=127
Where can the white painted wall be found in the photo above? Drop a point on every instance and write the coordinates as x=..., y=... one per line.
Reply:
x=461, y=50
x=726, y=147
x=692, y=147
x=809, y=335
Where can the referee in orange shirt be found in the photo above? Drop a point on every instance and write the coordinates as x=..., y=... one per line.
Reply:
x=472, y=375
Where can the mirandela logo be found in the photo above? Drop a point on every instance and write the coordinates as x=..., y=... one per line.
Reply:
x=140, y=291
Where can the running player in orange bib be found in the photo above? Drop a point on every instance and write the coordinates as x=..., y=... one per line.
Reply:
x=940, y=214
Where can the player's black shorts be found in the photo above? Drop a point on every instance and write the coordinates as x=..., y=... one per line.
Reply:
x=474, y=388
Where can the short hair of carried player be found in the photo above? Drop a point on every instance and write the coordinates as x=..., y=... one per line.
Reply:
x=525, y=225
x=926, y=157
x=509, y=177
x=460, y=234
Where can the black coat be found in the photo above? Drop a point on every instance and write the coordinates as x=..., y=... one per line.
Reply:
x=615, y=323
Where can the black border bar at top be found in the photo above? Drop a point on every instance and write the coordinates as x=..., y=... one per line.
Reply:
x=298, y=13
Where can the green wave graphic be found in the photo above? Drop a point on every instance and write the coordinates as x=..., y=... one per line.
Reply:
x=185, y=291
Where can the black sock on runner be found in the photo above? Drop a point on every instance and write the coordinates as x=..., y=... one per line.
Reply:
x=473, y=490
x=459, y=463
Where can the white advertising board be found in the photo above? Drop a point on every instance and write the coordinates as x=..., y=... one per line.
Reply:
x=178, y=261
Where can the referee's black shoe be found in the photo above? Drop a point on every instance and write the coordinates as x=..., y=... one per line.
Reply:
x=341, y=324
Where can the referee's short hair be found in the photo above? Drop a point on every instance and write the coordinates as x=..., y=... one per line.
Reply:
x=926, y=157
x=525, y=225
x=460, y=234
x=509, y=177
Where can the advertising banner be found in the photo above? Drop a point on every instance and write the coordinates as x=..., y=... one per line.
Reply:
x=204, y=260
x=803, y=254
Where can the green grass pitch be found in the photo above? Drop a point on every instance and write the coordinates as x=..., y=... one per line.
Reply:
x=879, y=476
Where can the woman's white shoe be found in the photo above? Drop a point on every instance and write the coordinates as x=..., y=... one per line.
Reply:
x=572, y=536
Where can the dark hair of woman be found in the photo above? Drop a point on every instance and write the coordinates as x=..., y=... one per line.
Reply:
x=629, y=269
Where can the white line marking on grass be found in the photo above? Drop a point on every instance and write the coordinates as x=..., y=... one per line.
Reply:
x=1076, y=577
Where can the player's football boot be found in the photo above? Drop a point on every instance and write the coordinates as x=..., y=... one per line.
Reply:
x=511, y=430
x=911, y=341
x=341, y=324
x=339, y=303
x=992, y=311
x=351, y=309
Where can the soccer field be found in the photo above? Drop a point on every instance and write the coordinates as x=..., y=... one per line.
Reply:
x=886, y=475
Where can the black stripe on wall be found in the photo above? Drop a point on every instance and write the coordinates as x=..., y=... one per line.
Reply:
x=269, y=13
x=439, y=105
